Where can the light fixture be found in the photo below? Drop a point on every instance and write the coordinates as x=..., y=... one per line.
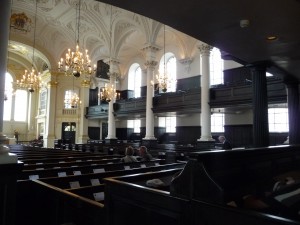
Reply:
x=31, y=79
x=74, y=101
x=107, y=93
x=163, y=78
x=77, y=63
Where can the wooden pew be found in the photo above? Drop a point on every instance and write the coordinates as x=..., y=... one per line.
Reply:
x=68, y=159
x=82, y=205
x=203, y=188
x=40, y=203
x=62, y=164
x=88, y=179
x=67, y=171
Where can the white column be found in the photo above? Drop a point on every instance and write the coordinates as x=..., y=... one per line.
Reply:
x=51, y=114
x=205, y=83
x=149, y=102
x=32, y=109
x=151, y=63
x=82, y=125
x=4, y=25
x=111, y=118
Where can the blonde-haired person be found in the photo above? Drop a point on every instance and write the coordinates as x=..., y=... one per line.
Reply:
x=129, y=155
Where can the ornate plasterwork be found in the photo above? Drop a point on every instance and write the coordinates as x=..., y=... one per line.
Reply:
x=205, y=49
x=151, y=64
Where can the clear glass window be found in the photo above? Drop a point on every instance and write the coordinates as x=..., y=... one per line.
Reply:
x=135, y=124
x=168, y=122
x=216, y=67
x=8, y=97
x=21, y=105
x=278, y=119
x=135, y=79
x=217, y=122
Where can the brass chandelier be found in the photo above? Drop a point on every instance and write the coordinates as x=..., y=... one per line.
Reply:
x=77, y=63
x=107, y=93
x=163, y=78
x=31, y=79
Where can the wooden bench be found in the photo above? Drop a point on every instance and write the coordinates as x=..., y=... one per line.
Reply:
x=199, y=195
x=53, y=201
x=67, y=171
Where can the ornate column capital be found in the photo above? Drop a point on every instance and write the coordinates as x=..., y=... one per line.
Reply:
x=150, y=51
x=205, y=49
x=151, y=64
x=52, y=84
x=85, y=83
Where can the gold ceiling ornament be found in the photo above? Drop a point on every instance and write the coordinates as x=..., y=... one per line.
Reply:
x=31, y=79
x=20, y=22
x=77, y=63
x=163, y=79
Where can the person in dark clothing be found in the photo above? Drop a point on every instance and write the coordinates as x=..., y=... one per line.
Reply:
x=226, y=144
x=144, y=154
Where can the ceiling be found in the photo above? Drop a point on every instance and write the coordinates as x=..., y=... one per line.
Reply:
x=56, y=30
x=217, y=23
x=214, y=22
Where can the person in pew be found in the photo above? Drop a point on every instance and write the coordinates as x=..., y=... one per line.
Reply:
x=144, y=154
x=226, y=144
x=129, y=155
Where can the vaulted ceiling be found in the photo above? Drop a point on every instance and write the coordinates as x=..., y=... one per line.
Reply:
x=214, y=22
x=56, y=30
x=218, y=23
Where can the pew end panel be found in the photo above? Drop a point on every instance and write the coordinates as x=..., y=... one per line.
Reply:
x=150, y=206
x=40, y=203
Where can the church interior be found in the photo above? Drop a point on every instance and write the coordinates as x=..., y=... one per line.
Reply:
x=83, y=81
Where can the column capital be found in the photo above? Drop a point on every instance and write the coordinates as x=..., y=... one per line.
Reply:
x=205, y=49
x=187, y=63
x=151, y=64
x=52, y=84
x=150, y=51
x=85, y=83
x=151, y=47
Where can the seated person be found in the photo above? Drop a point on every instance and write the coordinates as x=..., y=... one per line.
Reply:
x=129, y=155
x=226, y=144
x=144, y=154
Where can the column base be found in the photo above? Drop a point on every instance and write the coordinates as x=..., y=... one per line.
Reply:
x=149, y=138
x=149, y=142
x=111, y=140
x=49, y=141
x=83, y=139
x=205, y=145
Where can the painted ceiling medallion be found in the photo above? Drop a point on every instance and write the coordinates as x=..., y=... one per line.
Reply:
x=21, y=22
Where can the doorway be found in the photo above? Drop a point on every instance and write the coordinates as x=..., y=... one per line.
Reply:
x=68, y=133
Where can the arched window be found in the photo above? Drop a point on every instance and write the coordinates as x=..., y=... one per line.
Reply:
x=21, y=105
x=169, y=60
x=135, y=79
x=43, y=102
x=216, y=67
x=8, y=97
